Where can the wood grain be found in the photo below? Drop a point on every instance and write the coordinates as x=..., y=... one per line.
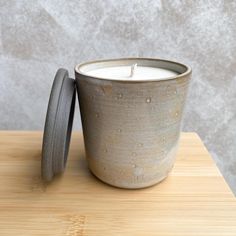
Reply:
x=193, y=200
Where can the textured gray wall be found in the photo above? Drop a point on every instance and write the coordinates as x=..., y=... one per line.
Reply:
x=37, y=37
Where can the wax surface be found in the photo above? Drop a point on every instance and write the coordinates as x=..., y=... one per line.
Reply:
x=124, y=73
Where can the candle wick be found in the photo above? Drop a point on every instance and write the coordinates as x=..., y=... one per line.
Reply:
x=133, y=68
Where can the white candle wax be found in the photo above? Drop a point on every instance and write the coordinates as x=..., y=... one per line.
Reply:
x=132, y=72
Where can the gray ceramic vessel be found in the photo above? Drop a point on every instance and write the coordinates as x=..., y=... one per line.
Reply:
x=131, y=128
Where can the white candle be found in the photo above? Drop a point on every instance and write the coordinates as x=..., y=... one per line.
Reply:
x=132, y=72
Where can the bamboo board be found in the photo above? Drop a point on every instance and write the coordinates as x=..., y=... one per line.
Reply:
x=193, y=200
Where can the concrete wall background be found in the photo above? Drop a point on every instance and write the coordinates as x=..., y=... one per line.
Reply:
x=37, y=37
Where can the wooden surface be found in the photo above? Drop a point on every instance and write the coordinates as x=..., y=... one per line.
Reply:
x=193, y=200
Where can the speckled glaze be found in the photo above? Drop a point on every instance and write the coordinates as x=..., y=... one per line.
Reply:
x=131, y=128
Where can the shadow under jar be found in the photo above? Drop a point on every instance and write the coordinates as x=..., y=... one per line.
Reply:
x=131, y=111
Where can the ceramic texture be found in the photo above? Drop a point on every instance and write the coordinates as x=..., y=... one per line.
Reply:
x=131, y=129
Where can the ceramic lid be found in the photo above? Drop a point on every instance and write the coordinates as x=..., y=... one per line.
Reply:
x=58, y=125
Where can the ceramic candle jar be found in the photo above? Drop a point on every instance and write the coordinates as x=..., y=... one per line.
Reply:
x=131, y=124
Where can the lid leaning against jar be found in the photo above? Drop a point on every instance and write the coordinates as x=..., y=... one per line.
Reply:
x=58, y=125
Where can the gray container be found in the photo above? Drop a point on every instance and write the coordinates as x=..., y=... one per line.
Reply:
x=131, y=128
